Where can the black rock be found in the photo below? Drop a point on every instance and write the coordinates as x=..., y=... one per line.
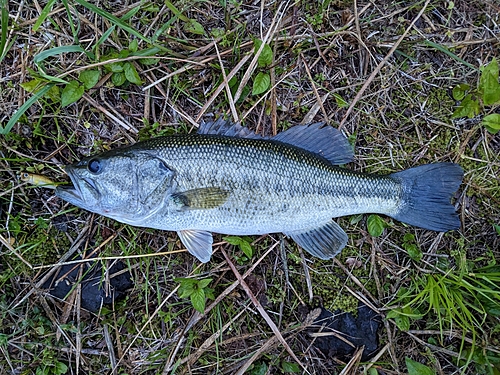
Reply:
x=93, y=294
x=360, y=330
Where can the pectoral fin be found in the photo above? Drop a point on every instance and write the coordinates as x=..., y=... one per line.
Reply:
x=198, y=243
x=199, y=199
x=324, y=242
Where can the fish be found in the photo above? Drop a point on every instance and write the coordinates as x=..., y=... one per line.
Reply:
x=37, y=180
x=227, y=179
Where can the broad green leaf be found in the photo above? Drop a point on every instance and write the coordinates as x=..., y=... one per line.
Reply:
x=233, y=240
x=416, y=368
x=194, y=27
x=492, y=123
x=60, y=368
x=89, y=78
x=259, y=368
x=133, y=45
x=290, y=367
x=459, y=91
x=497, y=228
x=71, y=93
x=116, y=67
x=131, y=73
x=376, y=225
x=413, y=251
x=198, y=300
x=246, y=248
x=118, y=78
x=468, y=108
x=261, y=83
x=488, y=83
x=33, y=85
x=204, y=283
x=266, y=55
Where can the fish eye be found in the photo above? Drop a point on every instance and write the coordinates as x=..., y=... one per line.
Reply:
x=94, y=166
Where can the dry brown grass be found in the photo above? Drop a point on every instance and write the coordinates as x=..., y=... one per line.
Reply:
x=372, y=55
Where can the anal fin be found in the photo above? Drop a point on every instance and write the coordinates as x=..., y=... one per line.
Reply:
x=324, y=241
x=198, y=243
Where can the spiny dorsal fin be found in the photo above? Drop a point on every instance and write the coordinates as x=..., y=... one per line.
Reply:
x=317, y=138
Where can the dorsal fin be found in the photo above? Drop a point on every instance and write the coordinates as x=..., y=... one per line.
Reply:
x=317, y=138
x=227, y=128
x=321, y=140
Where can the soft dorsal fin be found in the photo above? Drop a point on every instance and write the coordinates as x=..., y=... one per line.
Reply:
x=317, y=138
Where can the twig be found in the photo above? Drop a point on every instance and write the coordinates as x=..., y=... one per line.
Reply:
x=379, y=67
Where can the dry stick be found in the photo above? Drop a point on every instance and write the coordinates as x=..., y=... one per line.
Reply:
x=9, y=246
x=197, y=316
x=315, y=90
x=272, y=29
x=261, y=310
x=208, y=342
x=128, y=127
x=379, y=67
x=231, y=74
x=225, y=82
x=352, y=366
x=267, y=345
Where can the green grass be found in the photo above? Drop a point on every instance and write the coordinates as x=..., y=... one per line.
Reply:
x=79, y=78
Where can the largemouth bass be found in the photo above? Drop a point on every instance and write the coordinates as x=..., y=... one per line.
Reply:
x=228, y=180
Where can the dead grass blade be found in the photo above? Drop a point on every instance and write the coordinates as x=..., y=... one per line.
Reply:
x=262, y=311
x=379, y=66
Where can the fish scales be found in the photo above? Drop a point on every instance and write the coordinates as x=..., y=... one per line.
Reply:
x=229, y=180
x=268, y=180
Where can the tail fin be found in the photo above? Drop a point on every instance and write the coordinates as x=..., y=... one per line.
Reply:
x=427, y=192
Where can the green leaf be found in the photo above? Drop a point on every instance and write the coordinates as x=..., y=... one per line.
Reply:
x=290, y=367
x=497, y=228
x=71, y=93
x=133, y=45
x=241, y=243
x=116, y=67
x=459, y=91
x=198, y=300
x=204, y=283
x=488, y=83
x=261, y=83
x=416, y=368
x=194, y=27
x=246, y=248
x=468, y=108
x=38, y=58
x=131, y=73
x=266, y=55
x=413, y=251
x=376, y=225
x=259, y=368
x=118, y=78
x=89, y=78
x=341, y=103
x=492, y=123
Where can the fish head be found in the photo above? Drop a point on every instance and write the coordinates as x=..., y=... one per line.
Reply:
x=126, y=186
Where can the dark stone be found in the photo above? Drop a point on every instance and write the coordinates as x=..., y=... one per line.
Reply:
x=360, y=330
x=92, y=293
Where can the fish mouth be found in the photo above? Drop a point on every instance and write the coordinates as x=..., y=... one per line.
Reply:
x=73, y=192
